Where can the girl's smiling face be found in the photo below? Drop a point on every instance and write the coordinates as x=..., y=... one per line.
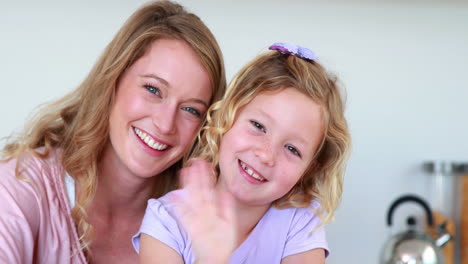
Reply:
x=159, y=105
x=270, y=145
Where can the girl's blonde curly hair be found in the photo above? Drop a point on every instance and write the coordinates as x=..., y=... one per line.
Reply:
x=272, y=71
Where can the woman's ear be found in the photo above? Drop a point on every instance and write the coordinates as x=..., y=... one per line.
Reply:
x=313, y=165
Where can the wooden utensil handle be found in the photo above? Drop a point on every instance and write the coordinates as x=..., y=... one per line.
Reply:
x=464, y=220
x=448, y=250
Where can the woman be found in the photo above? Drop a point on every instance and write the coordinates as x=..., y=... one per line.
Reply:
x=76, y=181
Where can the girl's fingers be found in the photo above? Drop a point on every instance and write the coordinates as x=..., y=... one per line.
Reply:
x=198, y=178
x=206, y=214
x=227, y=206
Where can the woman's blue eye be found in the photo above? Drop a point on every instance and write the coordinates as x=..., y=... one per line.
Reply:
x=152, y=89
x=293, y=150
x=258, y=125
x=191, y=110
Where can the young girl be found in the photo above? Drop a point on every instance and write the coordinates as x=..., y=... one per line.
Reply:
x=279, y=142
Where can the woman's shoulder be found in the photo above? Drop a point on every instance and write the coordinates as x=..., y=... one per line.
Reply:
x=35, y=207
x=30, y=166
x=30, y=176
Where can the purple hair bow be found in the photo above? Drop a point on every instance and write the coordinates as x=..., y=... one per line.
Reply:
x=295, y=50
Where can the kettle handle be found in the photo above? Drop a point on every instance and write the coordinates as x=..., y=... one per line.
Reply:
x=408, y=198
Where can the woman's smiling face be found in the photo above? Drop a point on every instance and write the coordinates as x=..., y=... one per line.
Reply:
x=159, y=105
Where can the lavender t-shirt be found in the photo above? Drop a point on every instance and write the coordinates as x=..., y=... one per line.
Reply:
x=278, y=234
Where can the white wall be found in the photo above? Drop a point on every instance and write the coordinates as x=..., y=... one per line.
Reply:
x=404, y=67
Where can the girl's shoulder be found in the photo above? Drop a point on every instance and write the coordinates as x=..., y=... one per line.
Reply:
x=283, y=232
x=302, y=228
x=294, y=219
x=295, y=212
x=160, y=211
x=160, y=223
x=161, y=205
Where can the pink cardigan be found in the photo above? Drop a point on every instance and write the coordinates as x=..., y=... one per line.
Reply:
x=35, y=217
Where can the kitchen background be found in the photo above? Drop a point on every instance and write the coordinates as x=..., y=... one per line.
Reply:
x=404, y=65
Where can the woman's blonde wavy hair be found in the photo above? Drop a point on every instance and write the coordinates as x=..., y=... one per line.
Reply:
x=78, y=125
x=273, y=71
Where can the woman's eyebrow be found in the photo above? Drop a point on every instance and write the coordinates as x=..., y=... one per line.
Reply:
x=199, y=101
x=166, y=83
x=157, y=78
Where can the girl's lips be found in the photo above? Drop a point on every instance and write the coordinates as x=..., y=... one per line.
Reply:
x=247, y=176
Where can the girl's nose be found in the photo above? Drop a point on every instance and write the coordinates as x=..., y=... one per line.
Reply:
x=165, y=119
x=265, y=153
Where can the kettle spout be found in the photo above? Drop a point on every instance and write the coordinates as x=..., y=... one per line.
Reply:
x=444, y=235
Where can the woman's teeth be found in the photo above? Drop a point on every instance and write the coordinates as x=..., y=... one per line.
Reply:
x=149, y=141
x=251, y=172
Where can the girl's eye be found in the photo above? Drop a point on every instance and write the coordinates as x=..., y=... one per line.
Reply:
x=258, y=126
x=152, y=89
x=293, y=150
x=192, y=111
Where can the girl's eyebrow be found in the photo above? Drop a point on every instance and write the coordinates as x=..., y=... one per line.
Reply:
x=166, y=83
x=301, y=140
x=265, y=114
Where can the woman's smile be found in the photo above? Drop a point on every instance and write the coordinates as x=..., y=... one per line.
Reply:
x=154, y=145
x=156, y=113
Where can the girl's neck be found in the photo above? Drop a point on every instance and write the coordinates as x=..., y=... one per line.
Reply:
x=247, y=216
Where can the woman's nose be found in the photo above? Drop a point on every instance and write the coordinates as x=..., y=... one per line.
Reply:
x=165, y=119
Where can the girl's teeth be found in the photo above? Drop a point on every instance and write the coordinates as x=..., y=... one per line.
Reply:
x=251, y=172
x=148, y=140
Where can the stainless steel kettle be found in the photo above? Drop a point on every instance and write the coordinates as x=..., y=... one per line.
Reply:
x=412, y=246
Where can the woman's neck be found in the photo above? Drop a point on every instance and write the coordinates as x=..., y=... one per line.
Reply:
x=119, y=192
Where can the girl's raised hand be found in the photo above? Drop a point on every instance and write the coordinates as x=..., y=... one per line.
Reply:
x=206, y=214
